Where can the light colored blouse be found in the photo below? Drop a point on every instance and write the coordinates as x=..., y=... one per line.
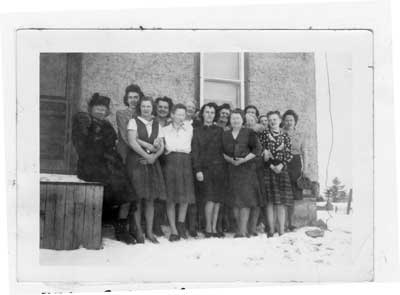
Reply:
x=177, y=139
x=297, y=140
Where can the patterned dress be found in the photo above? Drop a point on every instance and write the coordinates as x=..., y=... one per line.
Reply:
x=98, y=160
x=277, y=185
x=243, y=185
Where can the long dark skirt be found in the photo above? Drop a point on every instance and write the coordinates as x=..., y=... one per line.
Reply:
x=147, y=179
x=178, y=175
x=244, y=188
x=213, y=187
x=294, y=168
x=278, y=187
x=262, y=200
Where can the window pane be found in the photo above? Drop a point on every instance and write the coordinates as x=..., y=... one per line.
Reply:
x=221, y=93
x=53, y=74
x=223, y=65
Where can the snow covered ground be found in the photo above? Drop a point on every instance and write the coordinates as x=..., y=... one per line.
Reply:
x=293, y=256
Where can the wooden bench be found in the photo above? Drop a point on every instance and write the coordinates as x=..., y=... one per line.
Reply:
x=70, y=212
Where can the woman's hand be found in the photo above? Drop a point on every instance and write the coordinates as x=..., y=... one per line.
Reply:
x=151, y=148
x=200, y=176
x=277, y=169
x=267, y=155
x=239, y=161
x=149, y=159
x=157, y=143
x=228, y=159
x=281, y=147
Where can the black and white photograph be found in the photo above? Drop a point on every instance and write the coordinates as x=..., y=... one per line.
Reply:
x=193, y=154
x=149, y=156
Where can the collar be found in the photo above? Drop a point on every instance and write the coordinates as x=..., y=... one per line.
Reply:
x=181, y=126
x=144, y=121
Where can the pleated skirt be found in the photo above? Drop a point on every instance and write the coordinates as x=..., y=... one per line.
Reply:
x=147, y=180
x=179, y=180
x=278, y=187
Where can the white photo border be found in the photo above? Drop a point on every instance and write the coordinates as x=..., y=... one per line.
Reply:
x=371, y=17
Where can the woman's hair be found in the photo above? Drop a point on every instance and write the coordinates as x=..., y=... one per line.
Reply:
x=238, y=111
x=178, y=106
x=291, y=113
x=224, y=106
x=132, y=88
x=144, y=98
x=209, y=105
x=250, y=106
x=251, y=115
x=262, y=116
x=273, y=113
x=167, y=100
x=99, y=100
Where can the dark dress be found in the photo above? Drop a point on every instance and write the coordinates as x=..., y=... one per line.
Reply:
x=243, y=185
x=278, y=187
x=207, y=157
x=260, y=175
x=98, y=160
x=147, y=179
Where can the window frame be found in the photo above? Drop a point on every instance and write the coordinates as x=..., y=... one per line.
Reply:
x=240, y=82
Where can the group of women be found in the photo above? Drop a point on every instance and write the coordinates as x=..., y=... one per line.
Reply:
x=219, y=166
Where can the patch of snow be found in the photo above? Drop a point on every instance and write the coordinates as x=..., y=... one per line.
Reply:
x=293, y=256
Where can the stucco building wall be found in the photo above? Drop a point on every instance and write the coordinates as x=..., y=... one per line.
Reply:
x=158, y=74
x=282, y=81
x=274, y=81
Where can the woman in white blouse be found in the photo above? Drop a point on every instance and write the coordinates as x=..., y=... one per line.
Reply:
x=143, y=166
x=178, y=173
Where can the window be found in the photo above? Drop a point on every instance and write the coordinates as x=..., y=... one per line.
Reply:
x=222, y=78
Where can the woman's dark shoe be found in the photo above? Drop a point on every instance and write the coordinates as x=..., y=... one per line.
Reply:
x=121, y=232
x=219, y=234
x=152, y=239
x=253, y=234
x=182, y=230
x=291, y=228
x=174, y=238
x=193, y=233
x=270, y=235
x=140, y=238
x=158, y=231
x=208, y=235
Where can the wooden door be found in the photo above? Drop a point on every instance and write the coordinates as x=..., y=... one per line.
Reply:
x=60, y=78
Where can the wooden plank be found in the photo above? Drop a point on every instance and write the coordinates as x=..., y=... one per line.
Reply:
x=97, y=222
x=59, y=216
x=69, y=217
x=79, y=213
x=49, y=229
x=43, y=190
x=89, y=218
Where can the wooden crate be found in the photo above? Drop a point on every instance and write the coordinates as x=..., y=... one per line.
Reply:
x=70, y=212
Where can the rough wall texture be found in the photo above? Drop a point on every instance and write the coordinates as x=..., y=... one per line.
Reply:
x=274, y=81
x=171, y=74
x=282, y=81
